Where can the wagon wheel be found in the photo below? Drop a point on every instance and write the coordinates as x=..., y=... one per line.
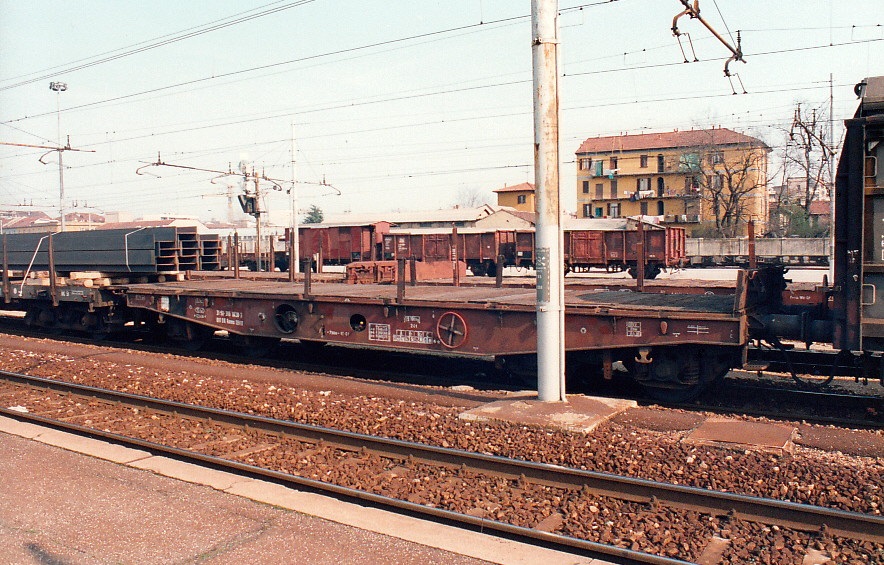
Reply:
x=187, y=334
x=451, y=329
x=254, y=346
x=94, y=325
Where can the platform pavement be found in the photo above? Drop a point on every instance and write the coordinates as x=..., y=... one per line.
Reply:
x=91, y=502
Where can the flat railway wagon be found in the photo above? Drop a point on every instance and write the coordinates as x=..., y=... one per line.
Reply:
x=724, y=252
x=607, y=244
x=694, y=339
x=675, y=344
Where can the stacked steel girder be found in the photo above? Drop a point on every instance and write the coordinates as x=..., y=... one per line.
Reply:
x=115, y=252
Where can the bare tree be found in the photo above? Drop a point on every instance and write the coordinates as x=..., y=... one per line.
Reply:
x=781, y=199
x=809, y=151
x=729, y=182
x=470, y=197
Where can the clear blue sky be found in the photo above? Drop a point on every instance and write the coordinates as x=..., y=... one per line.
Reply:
x=400, y=105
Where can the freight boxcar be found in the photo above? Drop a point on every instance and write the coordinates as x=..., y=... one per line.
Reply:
x=340, y=244
x=482, y=249
x=613, y=245
x=608, y=244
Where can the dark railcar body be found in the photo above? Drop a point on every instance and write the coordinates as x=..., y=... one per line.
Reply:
x=340, y=244
x=612, y=246
x=859, y=216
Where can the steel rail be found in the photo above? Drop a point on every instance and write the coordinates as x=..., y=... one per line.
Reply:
x=738, y=388
x=853, y=525
x=464, y=521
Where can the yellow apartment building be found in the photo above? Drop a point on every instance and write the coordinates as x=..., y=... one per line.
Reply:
x=709, y=181
x=518, y=196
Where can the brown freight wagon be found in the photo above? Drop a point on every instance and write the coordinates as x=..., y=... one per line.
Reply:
x=608, y=244
x=340, y=244
x=613, y=245
x=480, y=248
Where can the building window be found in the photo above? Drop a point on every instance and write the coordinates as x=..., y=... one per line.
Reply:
x=584, y=164
x=661, y=164
x=599, y=191
x=587, y=208
x=716, y=157
x=691, y=184
x=660, y=186
x=586, y=187
x=613, y=163
x=613, y=189
x=522, y=198
x=660, y=208
x=598, y=168
x=718, y=182
x=614, y=210
x=643, y=183
x=599, y=212
x=689, y=163
x=643, y=207
x=643, y=161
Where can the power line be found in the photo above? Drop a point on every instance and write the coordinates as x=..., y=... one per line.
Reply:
x=758, y=54
x=450, y=120
x=161, y=43
x=40, y=137
x=812, y=28
x=351, y=104
x=320, y=109
x=61, y=66
x=283, y=63
x=484, y=24
x=720, y=15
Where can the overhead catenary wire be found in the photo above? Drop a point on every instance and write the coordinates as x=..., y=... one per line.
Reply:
x=163, y=41
x=58, y=68
x=598, y=104
x=450, y=91
x=120, y=135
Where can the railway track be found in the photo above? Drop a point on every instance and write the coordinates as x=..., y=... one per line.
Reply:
x=741, y=395
x=474, y=490
x=750, y=397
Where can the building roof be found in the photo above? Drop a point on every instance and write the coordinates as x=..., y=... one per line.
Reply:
x=527, y=216
x=444, y=215
x=325, y=224
x=84, y=217
x=18, y=221
x=820, y=208
x=522, y=187
x=667, y=140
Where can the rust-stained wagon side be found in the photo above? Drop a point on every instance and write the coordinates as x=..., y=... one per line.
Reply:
x=670, y=343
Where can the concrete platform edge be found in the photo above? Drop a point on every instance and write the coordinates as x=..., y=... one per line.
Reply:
x=470, y=544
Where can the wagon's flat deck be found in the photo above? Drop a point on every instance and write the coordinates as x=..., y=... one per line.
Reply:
x=506, y=298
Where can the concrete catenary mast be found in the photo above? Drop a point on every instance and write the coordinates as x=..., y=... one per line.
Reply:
x=549, y=239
